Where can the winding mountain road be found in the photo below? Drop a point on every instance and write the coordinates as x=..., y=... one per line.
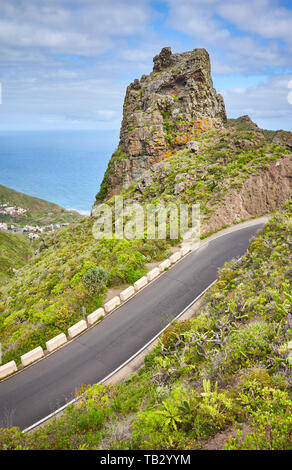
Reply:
x=40, y=389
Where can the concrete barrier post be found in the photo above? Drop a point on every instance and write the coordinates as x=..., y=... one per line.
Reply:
x=112, y=304
x=140, y=283
x=7, y=369
x=153, y=274
x=164, y=265
x=175, y=257
x=77, y=328
x=32, y=356
x=94, y=316
x=185, y=250
x=127, y=293
x=56, y=342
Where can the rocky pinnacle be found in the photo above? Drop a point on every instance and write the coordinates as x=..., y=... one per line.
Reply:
x=162, y=112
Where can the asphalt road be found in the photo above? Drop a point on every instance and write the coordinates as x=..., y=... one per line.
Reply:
x=38, y=390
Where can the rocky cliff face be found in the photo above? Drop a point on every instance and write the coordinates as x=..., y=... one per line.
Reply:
x=261, y=193
x=162, y=112
x=238, y=172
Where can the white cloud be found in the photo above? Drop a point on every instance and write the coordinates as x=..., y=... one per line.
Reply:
x=267, y=103
x=262, y=17
x=25, y=36
x=68, y=62
x=208, y=23
x=69, y=59
x=84, y=28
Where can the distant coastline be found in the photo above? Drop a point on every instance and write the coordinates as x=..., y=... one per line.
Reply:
x=80, y=211
x=59, y=166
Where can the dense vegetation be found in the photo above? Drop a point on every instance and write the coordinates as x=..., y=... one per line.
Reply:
x=39, y=211
x=47, y=295
x=226, y=158
x=15, y=250
x=219, y=380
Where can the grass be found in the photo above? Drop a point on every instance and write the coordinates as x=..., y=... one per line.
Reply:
x=226, y=159
x=224, y=372
x=15, y=250
x=47, y=295
x=39, y=211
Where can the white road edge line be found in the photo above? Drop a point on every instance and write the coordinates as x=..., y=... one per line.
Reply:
x=248, y=223
x=194, y=248
x=54, y=413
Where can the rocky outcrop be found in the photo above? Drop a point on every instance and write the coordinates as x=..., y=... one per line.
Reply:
x=260, y=194
x=162, y=112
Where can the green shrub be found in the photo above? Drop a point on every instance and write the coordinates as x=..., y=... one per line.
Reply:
x=95, y=279
x=271, y=424
x=249, y=344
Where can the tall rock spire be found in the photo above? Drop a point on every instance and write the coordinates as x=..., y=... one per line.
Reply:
x=162, y=112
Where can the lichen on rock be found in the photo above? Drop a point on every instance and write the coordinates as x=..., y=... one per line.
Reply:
x=162, y=112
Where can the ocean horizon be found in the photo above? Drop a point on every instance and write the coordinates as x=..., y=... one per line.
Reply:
x=64, y=167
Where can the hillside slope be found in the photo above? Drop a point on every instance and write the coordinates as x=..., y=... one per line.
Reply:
x=15, y=250
x=46, y=296
x=236, y=172
x=39, y=211
x=227, y=367
x=218, y=381
x=233, y=169
x=50, y=289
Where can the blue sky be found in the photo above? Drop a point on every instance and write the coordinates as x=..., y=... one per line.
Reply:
x=65, y=64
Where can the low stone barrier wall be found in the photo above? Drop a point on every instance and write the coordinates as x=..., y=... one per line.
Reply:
x=8, y=369
x=127, y=293
x=56, y=342
x=112, y=304
x=140, y=283
x=82, y=325
x=32, y=356
x=77, y=328
x=94, y=316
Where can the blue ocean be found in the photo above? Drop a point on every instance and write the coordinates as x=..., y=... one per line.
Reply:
x=65, y=167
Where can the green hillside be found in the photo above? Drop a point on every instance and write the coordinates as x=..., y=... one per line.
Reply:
x=47, y=295
x=218, y=381
x=226, y=159
x=40, y=212
x=51, y=289
x=15, y=250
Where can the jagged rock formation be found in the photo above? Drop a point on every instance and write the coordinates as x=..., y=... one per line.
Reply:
x=163, y=111
x=238, y=172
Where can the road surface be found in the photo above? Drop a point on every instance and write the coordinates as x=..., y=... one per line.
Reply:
x=40, y=389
